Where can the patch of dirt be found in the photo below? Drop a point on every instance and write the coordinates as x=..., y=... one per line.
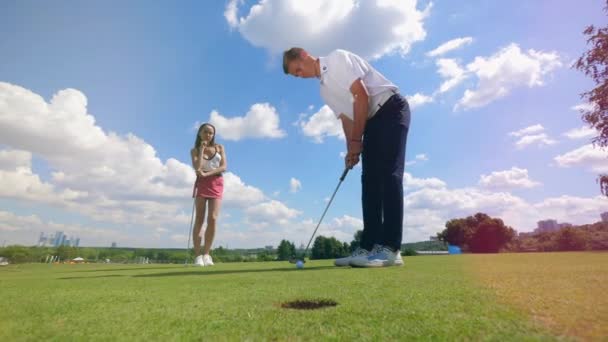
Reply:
x=307, y=304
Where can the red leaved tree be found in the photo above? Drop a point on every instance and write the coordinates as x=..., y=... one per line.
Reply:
x=594, y=63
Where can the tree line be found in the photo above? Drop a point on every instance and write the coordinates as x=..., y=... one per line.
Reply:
x=477, y=233
x=481, y=233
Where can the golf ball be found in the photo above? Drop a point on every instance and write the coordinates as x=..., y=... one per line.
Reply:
x=299, y=264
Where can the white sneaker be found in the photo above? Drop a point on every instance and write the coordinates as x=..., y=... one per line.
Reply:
x=398, y=259
x=381, y=256
x=198, y=261
x=207, y=260
x=359, y=252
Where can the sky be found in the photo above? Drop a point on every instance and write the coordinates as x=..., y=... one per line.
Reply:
x=100, y=101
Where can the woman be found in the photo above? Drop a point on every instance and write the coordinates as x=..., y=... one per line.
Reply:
x=209, y=161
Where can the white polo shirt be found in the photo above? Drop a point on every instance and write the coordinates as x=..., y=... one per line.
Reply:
x=339, y=70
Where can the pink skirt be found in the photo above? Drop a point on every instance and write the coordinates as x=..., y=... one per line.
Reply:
x=210, y=187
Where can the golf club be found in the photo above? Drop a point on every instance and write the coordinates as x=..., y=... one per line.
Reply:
x=191, y=219
x=296, y=259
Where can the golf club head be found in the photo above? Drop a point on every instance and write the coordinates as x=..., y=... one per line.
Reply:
x=294, y=260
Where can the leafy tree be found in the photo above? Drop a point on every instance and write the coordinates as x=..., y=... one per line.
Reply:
x=16, y=254
x=346, y=247
x=479, y=233
x=570, y=239
x=327, y=248
x=265, y=256
x=490, y=236
x=357, y=241
x=409, y=252
x=66, y=253
x=456, y=232
x=594, y=63
x=286, y=250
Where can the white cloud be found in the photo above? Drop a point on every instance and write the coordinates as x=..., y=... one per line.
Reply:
x=595, y=159
x=418, y=158
x=584, y=107
x=429, y=207
x=371, y=29
x=231, y=12
x=261, y=121
x=322, y=124
x=528, y=130
x=500, y=73
x=238, y=193
x=82, y=155
x=572, y=209
x=580, y=133
x=536, y=139
x=410, y=182
x=14, y=159
x=104, y=176
x=449, y=46
x=452, y=72
x=508, y=179
x=294, y=185
x=432, y=203
x=270, y=212
x=532, y=135
x=418, y=100
x=346, y=221
x=21, y=183
x=26, y=229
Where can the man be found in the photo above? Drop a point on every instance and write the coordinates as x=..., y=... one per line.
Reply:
x=376, y=120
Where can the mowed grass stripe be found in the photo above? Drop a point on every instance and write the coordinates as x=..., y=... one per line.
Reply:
x=566, y=292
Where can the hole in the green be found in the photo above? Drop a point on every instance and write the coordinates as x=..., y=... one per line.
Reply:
x=308, y=304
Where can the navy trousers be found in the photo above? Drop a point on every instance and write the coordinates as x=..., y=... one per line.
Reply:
x=383, y=161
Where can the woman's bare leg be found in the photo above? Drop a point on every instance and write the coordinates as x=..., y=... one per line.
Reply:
x=214, y=212
x=198, y=224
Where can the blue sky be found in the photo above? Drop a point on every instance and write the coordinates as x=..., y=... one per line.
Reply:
x=98, y=101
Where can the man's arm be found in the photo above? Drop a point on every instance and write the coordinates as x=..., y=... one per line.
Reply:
x=360, y=109
x=347, y=127
x=355, y=135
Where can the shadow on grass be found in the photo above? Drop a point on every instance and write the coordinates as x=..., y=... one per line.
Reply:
x=93, y=277
x=203, y=272
x=125, y=269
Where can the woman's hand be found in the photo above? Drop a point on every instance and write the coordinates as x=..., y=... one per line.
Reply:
x=200, y=173
x=201, y=150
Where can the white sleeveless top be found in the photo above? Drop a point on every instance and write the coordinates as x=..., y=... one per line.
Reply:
x=212, y=163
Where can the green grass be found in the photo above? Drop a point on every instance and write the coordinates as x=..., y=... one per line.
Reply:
x=566, y=292
x=431, y=298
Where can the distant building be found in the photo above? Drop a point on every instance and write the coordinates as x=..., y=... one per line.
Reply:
x=113, y=244
x=433, y=238
x=57, y=239
x=42, y=240
x=564, y=225
x=268, y=248
x=546, y=226
x=604, y=216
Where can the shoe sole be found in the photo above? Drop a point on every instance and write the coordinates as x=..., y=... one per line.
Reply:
x=383, y=264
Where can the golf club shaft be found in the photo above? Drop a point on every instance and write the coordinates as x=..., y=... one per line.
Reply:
x=325, y=211
x=191, y=219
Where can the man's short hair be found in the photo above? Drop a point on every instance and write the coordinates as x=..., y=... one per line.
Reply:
x=289, y=56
